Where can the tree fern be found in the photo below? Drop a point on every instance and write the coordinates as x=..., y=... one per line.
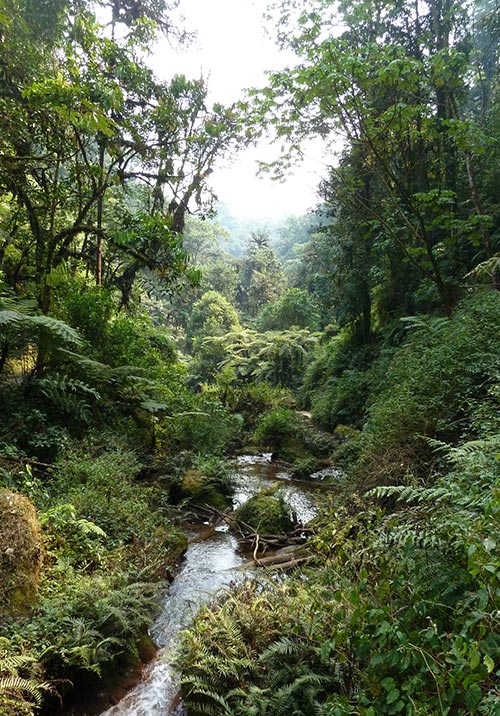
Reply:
x=51, y=331
x=71, y=397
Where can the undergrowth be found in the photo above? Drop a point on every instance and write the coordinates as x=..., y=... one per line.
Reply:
x=400, y=612
x=402, y=617
x=108, y=543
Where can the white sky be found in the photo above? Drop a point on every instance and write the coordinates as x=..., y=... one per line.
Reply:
x=233, y=51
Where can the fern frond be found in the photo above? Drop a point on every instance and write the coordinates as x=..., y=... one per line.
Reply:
x=86, y=527
x=28, y=688
x=13, y=662
x=410, y=495
x=52, y=328
x=485, y=269
x=283, y=647
x=197, y=691
x=427, y=323
x=18, y=305
x=10, y=318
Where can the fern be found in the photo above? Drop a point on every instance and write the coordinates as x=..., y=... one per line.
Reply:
x=202, y=699
x=10, y=318
x=58, y=385
x=410, y=495
x=283, y=647
x=485, y=269
x=69, y=396
x=27, y=687
x=20, y=684
x=19, y=306
x=51, y=330
x=430, y=324
x=86, y=528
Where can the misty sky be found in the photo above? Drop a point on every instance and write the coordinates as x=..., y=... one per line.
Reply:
x=232, y=51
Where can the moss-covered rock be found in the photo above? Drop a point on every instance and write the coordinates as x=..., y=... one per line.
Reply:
x=291, y=436
x=204, y=488
x=266, y=513
x=21, y=552
x=304, y=468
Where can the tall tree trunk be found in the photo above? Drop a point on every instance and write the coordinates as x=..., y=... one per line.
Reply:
x=100, y=203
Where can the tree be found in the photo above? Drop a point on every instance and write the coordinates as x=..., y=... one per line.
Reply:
x=212, y=315
x=276, y=357
x=394, y=84
x=295, y=308
x=83, y=122
x=203, y=239
x=261, y=276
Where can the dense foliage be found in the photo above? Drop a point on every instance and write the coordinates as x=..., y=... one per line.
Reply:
x=399, y=614
x=141, y=346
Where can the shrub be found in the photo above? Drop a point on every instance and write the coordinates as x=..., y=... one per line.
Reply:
x=342, y=400
x=202, y=425
x=118, y=338
x=109, y=544
x=291, y=436
x=252, y=400
x=337, y=381
x=86, y=623
x=444, y=367
x=276, y=428
x=89, y=310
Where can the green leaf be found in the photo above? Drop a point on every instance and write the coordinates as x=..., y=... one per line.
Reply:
x=489, y=663
x=473, y=696
x=474, y=660
x=392, y=696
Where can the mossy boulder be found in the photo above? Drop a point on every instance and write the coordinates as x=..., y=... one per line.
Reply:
x=266, y=513
x=21, y=552
x=291, y=436
x=304, y=468
x=201, y=488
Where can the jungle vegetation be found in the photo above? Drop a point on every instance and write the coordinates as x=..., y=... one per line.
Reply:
x=144, y=341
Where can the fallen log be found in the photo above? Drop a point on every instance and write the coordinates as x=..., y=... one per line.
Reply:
x=257, y=542
x=285, y=566
x=274, y=559
x=278, y=562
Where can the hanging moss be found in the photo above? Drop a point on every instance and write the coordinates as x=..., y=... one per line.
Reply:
x=20, y=552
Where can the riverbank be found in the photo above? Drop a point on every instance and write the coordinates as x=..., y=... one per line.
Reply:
x=211, y=562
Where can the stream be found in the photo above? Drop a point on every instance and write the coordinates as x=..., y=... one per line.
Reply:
x=210, y=563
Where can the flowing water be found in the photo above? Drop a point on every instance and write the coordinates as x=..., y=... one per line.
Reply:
x=210, y=563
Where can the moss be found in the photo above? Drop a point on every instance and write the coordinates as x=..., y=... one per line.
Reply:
x=20, y=552
x=203, y=489
x=266, y=513
x=305, y=467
